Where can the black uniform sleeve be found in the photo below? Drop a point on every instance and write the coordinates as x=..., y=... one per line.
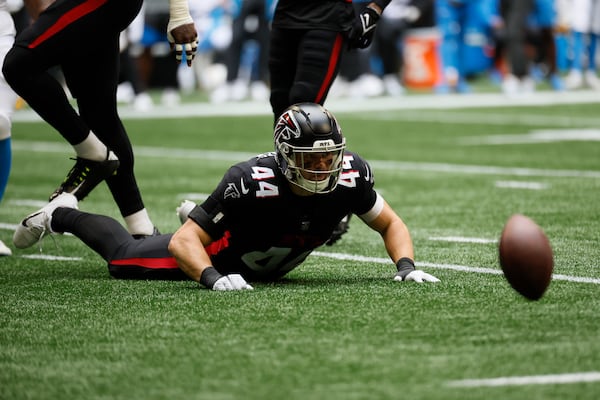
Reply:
x=369, y=194
x=212, y=215
x=357, y=177
x=209, y=216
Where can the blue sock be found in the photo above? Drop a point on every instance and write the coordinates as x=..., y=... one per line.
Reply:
x=592, y=52
x=577, y=50
x=5, y=162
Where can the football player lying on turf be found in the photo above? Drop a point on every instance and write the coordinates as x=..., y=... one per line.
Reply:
x=263, y=219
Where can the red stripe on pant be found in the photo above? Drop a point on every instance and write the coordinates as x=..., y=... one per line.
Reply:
x=67, y=19
x=333, y=62
x=152, y=263
x=169, y=262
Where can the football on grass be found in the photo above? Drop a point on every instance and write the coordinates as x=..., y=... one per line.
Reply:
x=526, y=257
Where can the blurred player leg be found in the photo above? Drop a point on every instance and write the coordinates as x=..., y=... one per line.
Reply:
x=8, y=99
x=87, y=49
x=98, y=107
x=303, y=72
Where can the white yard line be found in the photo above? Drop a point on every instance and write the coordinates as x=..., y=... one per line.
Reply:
x=454, y=267
x=521, y=185
x=537, y=136
x=461, y=239
x=480, y=169
x=50, y=257
x=554, y=379
x=470, y=117
x=236, y=156
x=339, y=105
x=378, y=260
x=8, y=227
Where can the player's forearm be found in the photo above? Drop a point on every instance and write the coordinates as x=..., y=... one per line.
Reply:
x=188, y=250
x=394, y=232
x=398, y=242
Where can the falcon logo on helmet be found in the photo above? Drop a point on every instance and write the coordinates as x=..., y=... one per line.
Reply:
x=287, y=127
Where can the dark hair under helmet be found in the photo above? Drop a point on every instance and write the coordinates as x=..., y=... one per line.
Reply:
x=306, y=129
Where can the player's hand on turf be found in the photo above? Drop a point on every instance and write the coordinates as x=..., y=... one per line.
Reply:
x=183, y=38
x=231, y=282
x=415, y=276
x=363, y=29
x=407, y=272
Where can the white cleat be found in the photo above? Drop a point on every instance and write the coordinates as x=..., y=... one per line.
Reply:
x=574, y=80
x=592, y=79
x=37, y=225
x=4, y=250
x=392, y=85
x=259, y=91
x=184, y=210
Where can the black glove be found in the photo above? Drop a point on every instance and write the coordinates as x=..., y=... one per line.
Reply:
x=363, y=29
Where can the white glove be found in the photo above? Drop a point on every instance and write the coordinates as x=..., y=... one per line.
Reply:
x=417, y=276
x=184, y=210
x=231, y=282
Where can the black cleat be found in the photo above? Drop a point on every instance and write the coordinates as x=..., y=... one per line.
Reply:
x=86, y=175
x=339, y=230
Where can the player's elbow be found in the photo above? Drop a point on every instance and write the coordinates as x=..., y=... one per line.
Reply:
x=177, y=243
x=187, y=237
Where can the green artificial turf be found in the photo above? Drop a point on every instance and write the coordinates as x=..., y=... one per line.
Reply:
x=333, y=328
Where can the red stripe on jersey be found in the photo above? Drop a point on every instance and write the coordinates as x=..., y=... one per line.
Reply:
x=333, y=61
x=153, y=263
x=218, y=245
x=67, y=19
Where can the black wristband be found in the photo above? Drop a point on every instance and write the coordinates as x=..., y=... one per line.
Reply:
x=405, y=266
x=209, y=276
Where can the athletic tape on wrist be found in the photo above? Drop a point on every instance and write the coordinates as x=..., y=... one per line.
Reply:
x=179, y=14
x=405, y=266
x=209, y=277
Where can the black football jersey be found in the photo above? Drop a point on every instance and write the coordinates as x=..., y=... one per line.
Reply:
x=331, y=15
x=262, y=230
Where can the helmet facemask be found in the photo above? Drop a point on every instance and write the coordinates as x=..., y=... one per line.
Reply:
x=315, y=169
x=310, y=147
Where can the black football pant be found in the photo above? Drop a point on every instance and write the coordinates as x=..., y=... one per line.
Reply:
x=127, y=258
x=81, y=37
x=240, y=35
x=302, y=65
x=515, y=14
